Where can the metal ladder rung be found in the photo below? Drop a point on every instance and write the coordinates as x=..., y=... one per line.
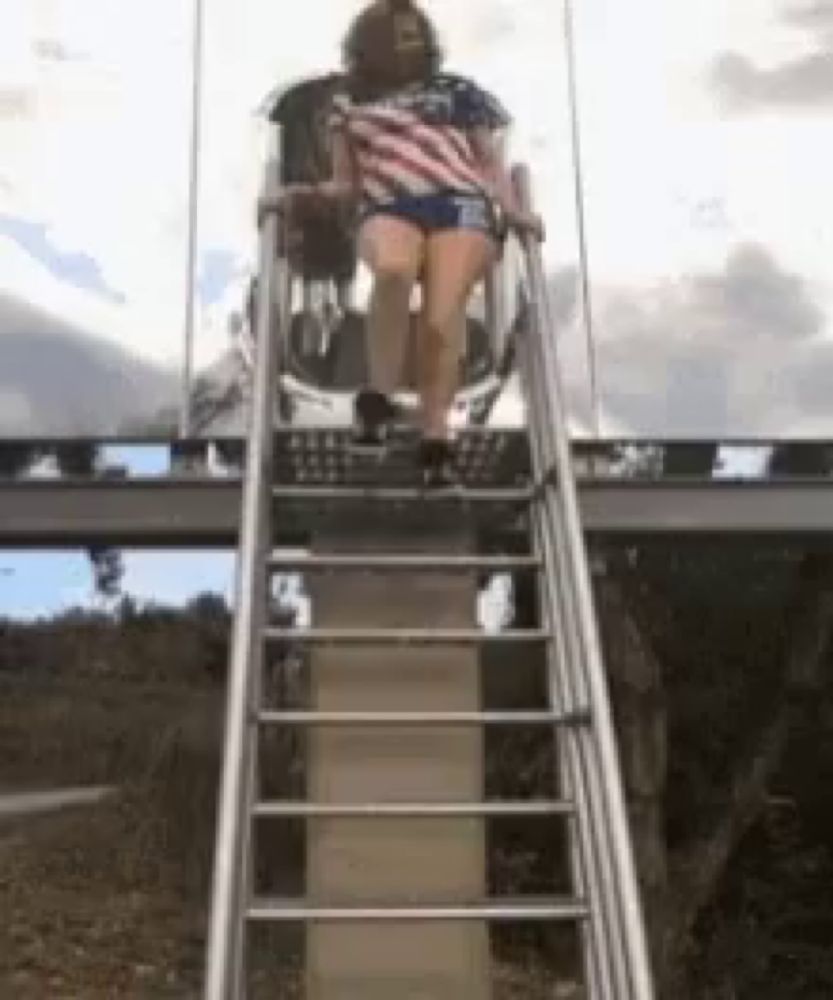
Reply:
x=545, y=910
x=404, y=494
x=411, y=810
x=373, y=561
x=419, y=719
x=402, y=637
x=519, y=718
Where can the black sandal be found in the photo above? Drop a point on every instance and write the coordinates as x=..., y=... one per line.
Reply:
x=373, y=412
x=435, y=458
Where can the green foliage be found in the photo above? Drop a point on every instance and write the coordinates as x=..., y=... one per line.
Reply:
x=16, y=458
x=86, y=694
x=724, y=620
x=146, y=643
x=768, y=933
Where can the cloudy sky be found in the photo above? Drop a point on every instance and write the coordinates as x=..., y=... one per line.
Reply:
x=707, y=150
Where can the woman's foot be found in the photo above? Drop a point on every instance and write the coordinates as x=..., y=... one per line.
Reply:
x=374, y=412
x=435, y=458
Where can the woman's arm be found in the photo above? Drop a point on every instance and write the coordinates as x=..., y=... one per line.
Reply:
x=344, y=183
x=342, y=186
x=494, y=172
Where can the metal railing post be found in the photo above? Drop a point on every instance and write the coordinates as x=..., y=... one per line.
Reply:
x=225, y=934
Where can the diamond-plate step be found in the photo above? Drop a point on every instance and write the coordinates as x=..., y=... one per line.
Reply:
x=322, y=456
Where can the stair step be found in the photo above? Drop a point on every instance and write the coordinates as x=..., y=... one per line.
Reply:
x=411, y=810
x=418, y=719
x=402, y=636
x=392, y=494
x=546, y=909
x=373, y=561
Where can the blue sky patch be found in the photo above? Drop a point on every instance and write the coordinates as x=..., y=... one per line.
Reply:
x=217, y=270
x=77, y=269
x=44, y=583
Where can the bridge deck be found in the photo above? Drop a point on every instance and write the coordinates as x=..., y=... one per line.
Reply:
x=319, y=478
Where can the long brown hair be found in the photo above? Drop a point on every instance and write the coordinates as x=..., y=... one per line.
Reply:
x=390, y=44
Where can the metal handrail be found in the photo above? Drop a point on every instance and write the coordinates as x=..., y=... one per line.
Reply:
x=568, y=558
x=588, y=854
x=225, y=933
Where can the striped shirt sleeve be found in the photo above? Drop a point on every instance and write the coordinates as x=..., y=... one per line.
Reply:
x=475, y=107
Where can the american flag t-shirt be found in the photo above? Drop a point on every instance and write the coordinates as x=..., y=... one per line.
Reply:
x=415, y=142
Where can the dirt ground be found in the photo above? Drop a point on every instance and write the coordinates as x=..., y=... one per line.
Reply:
x=83, y=917
x=86, y=919
x=108, y=901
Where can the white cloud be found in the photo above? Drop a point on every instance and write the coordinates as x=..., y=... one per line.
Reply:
x=17, y=65
x=56, y=379
x=16, y=408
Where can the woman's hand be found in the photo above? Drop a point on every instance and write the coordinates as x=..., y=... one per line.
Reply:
x=288, y=199
x=526, y=224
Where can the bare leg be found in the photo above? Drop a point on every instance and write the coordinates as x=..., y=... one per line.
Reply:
x=455, y=260
x=393, y=251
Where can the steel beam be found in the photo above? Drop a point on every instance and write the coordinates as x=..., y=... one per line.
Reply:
x=129, y=513
x=204, y=512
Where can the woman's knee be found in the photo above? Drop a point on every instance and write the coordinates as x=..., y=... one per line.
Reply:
x=443, y=326
x=392, y=251
x=394, y=272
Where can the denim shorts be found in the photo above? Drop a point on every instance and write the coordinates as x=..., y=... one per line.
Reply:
x=435, y=212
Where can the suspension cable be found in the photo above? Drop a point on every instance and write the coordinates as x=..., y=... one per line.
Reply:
x=578, y=176
x=191, y=266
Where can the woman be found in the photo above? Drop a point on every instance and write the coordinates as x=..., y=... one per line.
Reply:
x=415, y=150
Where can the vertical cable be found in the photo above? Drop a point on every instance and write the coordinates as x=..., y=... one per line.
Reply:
x=193, y=218
x=586, y=296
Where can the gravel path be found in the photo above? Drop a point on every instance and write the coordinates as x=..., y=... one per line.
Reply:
x=29, y=803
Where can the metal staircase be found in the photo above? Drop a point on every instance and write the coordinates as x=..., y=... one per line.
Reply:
x=310, y=467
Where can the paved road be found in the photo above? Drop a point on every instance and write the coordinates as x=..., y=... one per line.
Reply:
x=30, y=803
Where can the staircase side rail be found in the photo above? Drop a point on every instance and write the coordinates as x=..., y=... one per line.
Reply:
x=590, y=856
x=560, y=485
x=224, y=934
